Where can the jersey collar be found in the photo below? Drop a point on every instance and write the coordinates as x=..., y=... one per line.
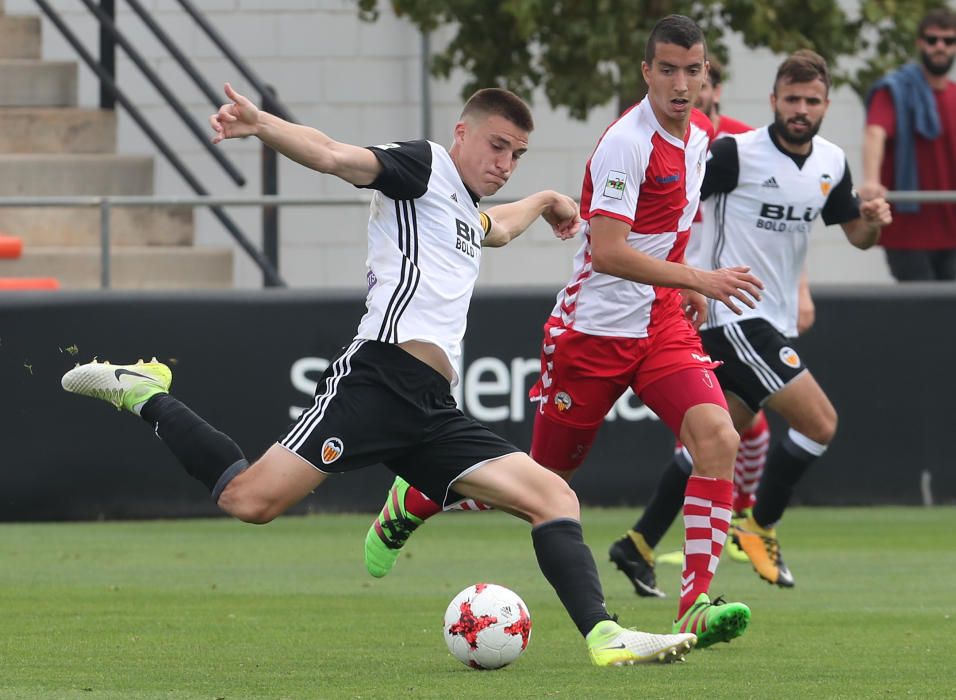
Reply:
x=474, y=198
x=795, y=157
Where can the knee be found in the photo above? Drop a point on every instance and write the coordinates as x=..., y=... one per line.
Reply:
x=558, y=500
x=248, y=507
x=715, y=451
x=720, y=443
x=823, y=428
x=829, y=428
x=568, y=498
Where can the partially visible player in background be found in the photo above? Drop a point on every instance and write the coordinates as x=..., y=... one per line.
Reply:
x=637, y=557
x=755, y=440
x=763, y=189
x=708, y=102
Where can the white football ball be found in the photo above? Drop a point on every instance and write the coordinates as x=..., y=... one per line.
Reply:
x=487, y=626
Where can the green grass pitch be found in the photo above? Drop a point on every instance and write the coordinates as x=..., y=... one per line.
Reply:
x=218, y=609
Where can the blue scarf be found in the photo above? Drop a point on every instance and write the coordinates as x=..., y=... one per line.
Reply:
x=916, y=113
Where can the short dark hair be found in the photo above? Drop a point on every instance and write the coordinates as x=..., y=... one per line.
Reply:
x=674, y=29
x=715, y=72
x=500, y=102
x=942, y=18
x=803, y=66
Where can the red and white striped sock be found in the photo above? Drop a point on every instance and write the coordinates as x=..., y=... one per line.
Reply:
x=751, y=458
x=706, y=519
x=420, y=505
x=468, y=504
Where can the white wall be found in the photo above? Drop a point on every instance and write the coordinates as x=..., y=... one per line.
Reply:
x=360, y=83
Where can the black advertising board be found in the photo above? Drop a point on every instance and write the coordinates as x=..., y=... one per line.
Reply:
x=248, y=361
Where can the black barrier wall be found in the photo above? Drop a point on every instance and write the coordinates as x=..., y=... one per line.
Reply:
x=248, y=361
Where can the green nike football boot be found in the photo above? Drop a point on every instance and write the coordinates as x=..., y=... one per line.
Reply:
x=609, y=644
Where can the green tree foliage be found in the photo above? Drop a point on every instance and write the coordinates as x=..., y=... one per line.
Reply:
x=584, y=53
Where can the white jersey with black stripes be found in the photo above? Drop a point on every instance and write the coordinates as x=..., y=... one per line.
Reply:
x=424, y=249
x=764, y=204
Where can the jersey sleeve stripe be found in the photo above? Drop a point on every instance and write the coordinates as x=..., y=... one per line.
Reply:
x=611, y=215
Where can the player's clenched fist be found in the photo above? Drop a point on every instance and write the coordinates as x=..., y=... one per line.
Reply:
x=876, y=211
x=563, y=217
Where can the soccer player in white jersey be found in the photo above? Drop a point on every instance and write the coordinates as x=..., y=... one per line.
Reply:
x=763, y=190
x=622, y=321
x=386, y=397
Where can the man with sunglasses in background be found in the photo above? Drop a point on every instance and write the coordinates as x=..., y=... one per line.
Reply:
x=910, y=144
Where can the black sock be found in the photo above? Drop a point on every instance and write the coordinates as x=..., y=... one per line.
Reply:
x=568, y=565
x=786, y=465
x=204, y=452
x=667, y=501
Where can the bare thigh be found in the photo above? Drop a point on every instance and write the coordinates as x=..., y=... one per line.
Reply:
x=273, y=484
x=740, y=412
x=806, y=408
x=518, y=485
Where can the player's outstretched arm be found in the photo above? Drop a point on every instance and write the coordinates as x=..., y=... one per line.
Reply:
x=611, y=255
x=303, y=144
x=508, y=221
x=864, y=232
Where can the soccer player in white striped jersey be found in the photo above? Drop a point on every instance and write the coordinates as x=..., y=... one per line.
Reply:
x=387, y=396
x=763, y=190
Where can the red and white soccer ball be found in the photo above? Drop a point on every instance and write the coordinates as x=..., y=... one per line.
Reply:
x=487, y=626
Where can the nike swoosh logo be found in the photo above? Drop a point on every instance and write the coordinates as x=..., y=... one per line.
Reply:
x=616, y=646
x=120, y=372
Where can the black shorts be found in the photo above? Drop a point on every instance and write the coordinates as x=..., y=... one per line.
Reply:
x=376, y=403
x=758, y=360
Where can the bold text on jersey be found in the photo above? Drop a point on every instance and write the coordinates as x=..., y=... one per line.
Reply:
x=786, y=218
x=466, y=240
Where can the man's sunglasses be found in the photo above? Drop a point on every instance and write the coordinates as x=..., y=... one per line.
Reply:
x=933, y=39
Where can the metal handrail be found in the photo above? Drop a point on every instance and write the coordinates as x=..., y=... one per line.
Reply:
x=106, y=203
x=189, y=68
x=104, y=71
x=201, y=132
x=134, y=200
x=270, y=102
x=922, y=196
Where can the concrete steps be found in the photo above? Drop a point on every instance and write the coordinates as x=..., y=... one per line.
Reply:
x=51, y=147
x=19, y=36
x=57, y=130
x=80, y=226
x=25, y=175
x=26, y=83
x=131, y=268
